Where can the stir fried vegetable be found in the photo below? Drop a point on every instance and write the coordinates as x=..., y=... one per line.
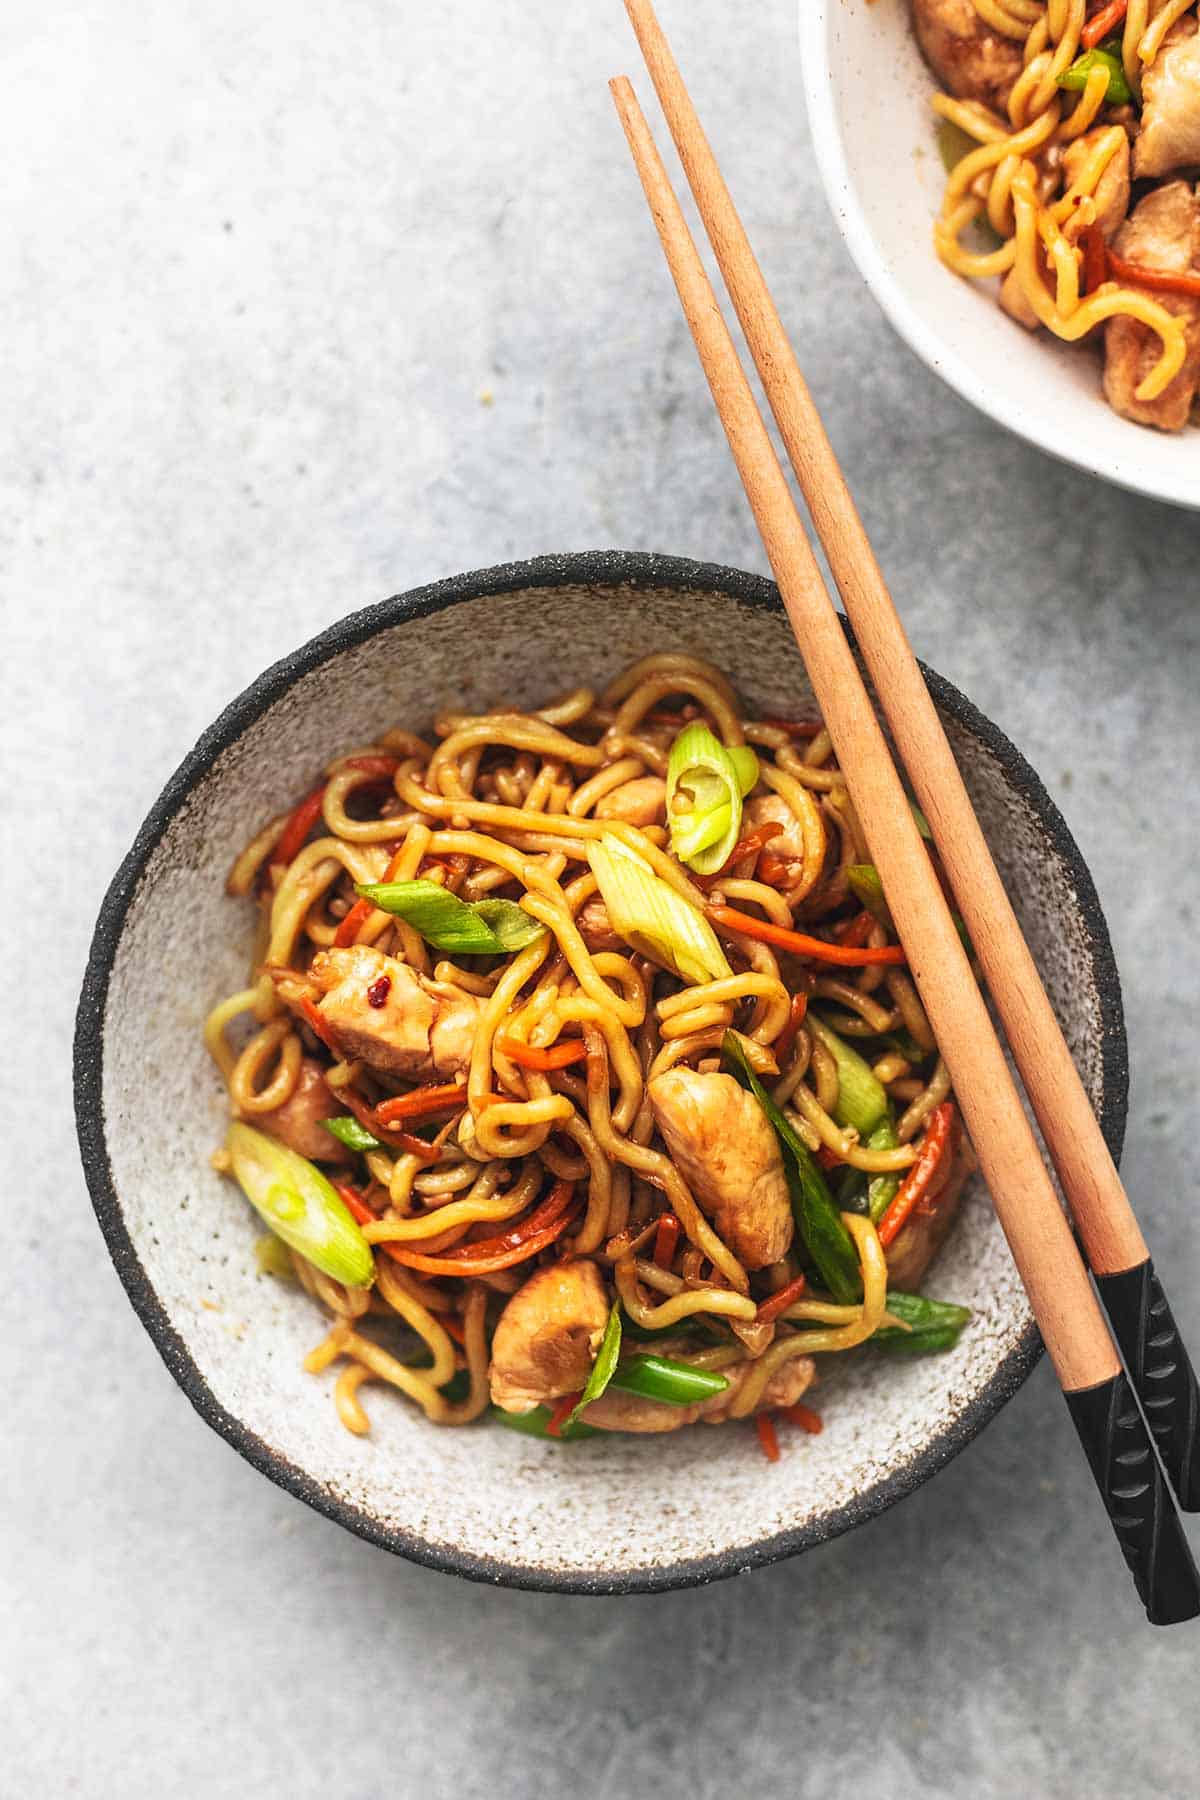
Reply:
x=936, y=1144
x=536, y=1424
x=862, y=1101
x=348, y=1130
x=935, y=1325
x=705, y=786
x=818, y=1220
x=1118, y=93
x=674, y=1383
x=464, y=928
x=652, y=917
x=799, y=942
x=604, y=1366
x=300, y=1206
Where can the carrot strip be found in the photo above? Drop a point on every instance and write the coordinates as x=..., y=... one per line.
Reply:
x=934, y=1145
x=779, y=1302
x=528, y=1056
x=666, y=1240
x=456, y=1263
x=805, y=1417
x=422, y=1103
x=1103, y=23
x=856, y=931
x=301, y=822
x=1095, y=258
x=800, y=943
x=452, y=1325
x=764, y=1424
x=1165, y=281
x=361, y=911
x=791, y=1031
x=562, y=1411
x=317, y=1021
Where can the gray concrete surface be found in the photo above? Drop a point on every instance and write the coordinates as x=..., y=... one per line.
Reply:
x=262, y=264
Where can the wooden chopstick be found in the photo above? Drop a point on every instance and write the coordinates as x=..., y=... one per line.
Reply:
x=1113, y=1243
x=1043, y=1248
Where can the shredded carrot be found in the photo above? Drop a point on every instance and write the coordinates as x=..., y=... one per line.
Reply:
x=318, y=1022
x=301, y=822
x=791, y=1031
x=562, y=1411
x=362, y=909
x=453, y=1326
x=1095, y=258
x=799, y=942
x=540, y=1228
x=528, y=1056
x=764, y=1424
x=805, y=1417
x=422, y=1103
x=666, y=1240
x=779, y=1302
x=935, y=1143
x=1165, y=281
x=1103, y=23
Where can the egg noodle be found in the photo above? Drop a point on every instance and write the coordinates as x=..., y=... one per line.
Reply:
x=544, y=1151
x=1014, y=180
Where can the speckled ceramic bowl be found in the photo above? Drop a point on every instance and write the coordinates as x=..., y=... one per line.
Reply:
x=613, y=1514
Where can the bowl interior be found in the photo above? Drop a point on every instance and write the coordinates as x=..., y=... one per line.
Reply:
x=611, y=1513
x=868, y=91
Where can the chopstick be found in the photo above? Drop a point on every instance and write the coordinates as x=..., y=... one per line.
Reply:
x=1113, y=1243
x=1072, y=1326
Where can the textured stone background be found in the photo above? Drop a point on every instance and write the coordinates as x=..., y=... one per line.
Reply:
x=261, y=264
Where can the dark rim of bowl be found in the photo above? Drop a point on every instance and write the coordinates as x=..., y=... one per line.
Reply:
x=607, y=568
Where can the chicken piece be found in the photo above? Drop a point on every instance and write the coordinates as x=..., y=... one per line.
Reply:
x=1111, y=198
x=399, y=1022
x=972, y=61
x=921, y=1239
x=641, y=802
x=617, y=1411
x=1170, y=135
x=1162, y=232
x=726, y=1151
x=595, y=927
x=768, y=809
x=547, y=1337
x=297, y=1123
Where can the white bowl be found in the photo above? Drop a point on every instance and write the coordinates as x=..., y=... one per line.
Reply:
x=868, y=91
x=615, y=1514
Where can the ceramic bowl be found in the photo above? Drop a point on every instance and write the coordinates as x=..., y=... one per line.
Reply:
x=612, y=1514
x=867, y=90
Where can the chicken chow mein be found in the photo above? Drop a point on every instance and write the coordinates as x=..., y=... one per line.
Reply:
x=1071, y=132
x=579, y=1076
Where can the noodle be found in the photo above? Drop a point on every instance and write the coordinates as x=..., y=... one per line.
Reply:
x=543, y=1147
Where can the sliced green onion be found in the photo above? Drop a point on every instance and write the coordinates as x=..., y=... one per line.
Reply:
x=1118, y=93
x=674, y=1383
x=509, y=924
x=882, y=1189
x=704, y=774
x=745, y=767
x=448, y=923
x=533, y=1424
x=867, y=888
x=921, y=822
x=602, y=1368
x=655, y=920
x=300, y=1206
x=349, y=1131
x=933, y=1325
x=862, y=1100
x=820, y=1224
